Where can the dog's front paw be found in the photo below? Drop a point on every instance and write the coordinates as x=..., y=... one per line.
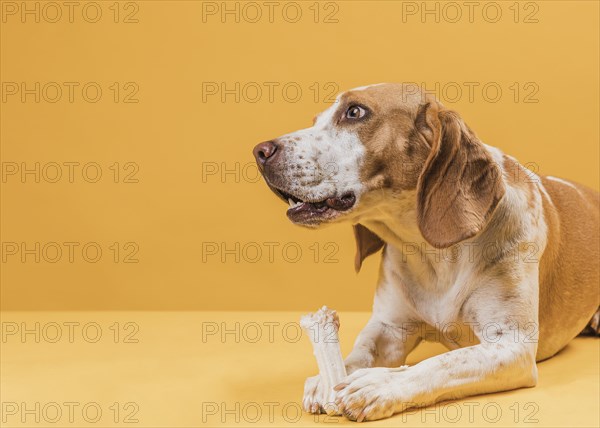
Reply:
x=317, y=399
x=371, y=394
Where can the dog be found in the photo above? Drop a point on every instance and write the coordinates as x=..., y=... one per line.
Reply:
x=497, y=263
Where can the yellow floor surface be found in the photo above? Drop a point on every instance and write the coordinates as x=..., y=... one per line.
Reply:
x=189, y=369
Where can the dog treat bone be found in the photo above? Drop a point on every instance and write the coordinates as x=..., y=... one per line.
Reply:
x=322, y=329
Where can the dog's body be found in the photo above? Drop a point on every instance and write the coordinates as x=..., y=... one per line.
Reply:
x=495, y=262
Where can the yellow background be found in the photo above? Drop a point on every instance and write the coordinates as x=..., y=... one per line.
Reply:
x=176, y=134
x=173, y=135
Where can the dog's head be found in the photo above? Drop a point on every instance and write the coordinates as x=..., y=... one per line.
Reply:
x=371, y=147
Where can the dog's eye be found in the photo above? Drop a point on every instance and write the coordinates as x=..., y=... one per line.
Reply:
x=355, y=112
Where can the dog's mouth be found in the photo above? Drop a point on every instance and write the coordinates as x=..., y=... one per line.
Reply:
x=310, y=212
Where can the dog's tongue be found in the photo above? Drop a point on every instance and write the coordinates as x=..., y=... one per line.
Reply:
x=342, y=203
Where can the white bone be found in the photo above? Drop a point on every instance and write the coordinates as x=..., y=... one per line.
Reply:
x=322, y=329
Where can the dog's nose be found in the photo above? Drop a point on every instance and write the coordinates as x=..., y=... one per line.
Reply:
x=265, y=151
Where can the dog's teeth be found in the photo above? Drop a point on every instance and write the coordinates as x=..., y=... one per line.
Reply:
x=294, y=204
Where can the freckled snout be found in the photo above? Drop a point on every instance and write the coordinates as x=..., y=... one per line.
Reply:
x=265, y=152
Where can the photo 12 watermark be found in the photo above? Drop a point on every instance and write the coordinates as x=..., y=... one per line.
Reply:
x=69, y=172
x=52, y=252
x=269, y=252
x=270, y=12
x=253, y=412
x=250, y=332
x=453, y=12
x=252, y=92
x=70, y=332
x=471, y=412
x=71, y=92
x=70, y=12
x=94, y=413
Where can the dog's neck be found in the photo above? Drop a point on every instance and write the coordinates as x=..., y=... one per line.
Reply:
x=394, y=220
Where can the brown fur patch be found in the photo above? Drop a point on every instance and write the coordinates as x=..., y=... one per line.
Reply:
x=569, y=267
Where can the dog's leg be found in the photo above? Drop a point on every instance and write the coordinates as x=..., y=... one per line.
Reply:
x=504, y=359
x=382, y=344
x=391, y=333
x=370, y=394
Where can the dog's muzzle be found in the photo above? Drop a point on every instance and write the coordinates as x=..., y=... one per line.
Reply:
x=303, y=210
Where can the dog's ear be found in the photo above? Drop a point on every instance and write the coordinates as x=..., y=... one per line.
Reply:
x=367, y=243
x=460, y=185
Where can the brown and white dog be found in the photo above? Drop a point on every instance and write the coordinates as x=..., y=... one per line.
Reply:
x=502, y=264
